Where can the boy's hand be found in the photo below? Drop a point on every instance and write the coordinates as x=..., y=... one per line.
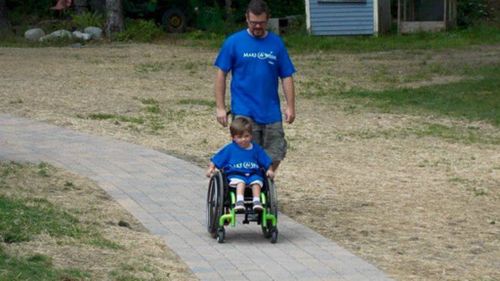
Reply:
x=270, y=174
x=211, y=169
x=210, y=172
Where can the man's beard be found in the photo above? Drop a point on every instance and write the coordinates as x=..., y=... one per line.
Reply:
x=258, y=32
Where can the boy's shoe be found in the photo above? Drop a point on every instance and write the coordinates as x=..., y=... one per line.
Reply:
x=257, y=206
x=239, y=206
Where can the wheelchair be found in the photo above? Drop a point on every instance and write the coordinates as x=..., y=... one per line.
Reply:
x=221, y=200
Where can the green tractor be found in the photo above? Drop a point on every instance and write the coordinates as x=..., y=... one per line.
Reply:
x=172, y=15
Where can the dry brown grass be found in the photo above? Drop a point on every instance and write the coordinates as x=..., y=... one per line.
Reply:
x=139, y=255
x=420, y=208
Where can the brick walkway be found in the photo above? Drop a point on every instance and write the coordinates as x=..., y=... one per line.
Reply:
x=168, y=196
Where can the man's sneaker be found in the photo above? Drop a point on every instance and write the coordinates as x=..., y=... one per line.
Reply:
x=257, y=206
x=239, y=206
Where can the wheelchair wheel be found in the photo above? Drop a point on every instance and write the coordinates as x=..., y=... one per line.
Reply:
x=274, y=234
x=221, y=234
x=215, y=201
x=272, y=208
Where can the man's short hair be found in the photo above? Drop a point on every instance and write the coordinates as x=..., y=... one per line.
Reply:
x=240, y=125
x=258, y=7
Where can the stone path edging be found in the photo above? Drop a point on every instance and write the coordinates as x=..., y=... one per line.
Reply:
x=167, y=195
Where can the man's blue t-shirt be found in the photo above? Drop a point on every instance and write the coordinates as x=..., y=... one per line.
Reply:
x=237, y=160
x=256, y=64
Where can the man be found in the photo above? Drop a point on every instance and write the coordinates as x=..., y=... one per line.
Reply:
x=257, y=60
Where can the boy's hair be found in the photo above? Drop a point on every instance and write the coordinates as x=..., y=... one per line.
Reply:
x=257, y=7
x=239, y=126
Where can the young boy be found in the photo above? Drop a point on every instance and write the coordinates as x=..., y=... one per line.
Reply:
x=242, y=160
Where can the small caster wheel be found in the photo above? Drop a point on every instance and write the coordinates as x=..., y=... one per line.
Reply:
x=274, y=235
x=221, y=234
x=266, y=231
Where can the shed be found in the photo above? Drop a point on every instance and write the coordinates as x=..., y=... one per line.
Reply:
x=348, y=17
x=426, y=15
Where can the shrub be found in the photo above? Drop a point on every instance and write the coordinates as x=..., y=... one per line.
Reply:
x=211, y=19
x=470, y=12
x=35, y=8
x=88, y=19
x=139, y=30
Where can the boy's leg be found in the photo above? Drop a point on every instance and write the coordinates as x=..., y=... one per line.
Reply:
x=239, y=184
x=240, y=204
x=240, y=189
x=256, y=191
x=257, y=206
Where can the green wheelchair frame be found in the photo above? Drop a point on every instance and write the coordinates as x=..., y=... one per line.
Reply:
x=221, y=200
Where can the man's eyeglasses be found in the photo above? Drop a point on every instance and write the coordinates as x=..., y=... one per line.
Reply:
x=255, y=23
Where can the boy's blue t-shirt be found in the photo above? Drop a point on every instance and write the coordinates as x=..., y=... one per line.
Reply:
x=237, y=160
x=256, y=64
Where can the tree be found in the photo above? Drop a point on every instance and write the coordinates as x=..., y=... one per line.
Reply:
x=228, y=4
x=114, y=11
x=4, y=21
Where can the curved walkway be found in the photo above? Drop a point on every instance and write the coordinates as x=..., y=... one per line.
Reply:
x=167, y=195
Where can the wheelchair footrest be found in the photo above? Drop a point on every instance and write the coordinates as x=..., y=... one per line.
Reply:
x=250, y=217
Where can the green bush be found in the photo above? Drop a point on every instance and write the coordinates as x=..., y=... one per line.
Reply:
x=52, y=25
x=285, y=8
x=470, y=12
x=35, y=9
x=140, y=31
x=278, y=8
x=211, y=19
x=89, y=19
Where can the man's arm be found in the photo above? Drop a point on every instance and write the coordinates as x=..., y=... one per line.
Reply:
x=289, y=91
x=220, y=95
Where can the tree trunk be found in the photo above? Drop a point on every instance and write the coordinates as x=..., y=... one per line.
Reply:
x=4, y=21
x=114, y=12
x=228, y=6
x=229, y=10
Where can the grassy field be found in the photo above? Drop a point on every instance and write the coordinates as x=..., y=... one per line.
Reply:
x=300, y=42
x=478, y=35
x=473, y=99
x=399, y=142
x=57, y=226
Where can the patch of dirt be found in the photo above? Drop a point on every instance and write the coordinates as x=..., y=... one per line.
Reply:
x=420, y=208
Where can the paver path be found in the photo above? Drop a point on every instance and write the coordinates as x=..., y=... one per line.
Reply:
x=168, y=196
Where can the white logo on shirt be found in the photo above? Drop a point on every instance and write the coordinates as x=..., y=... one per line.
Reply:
x=245, y=165
x=260, y=55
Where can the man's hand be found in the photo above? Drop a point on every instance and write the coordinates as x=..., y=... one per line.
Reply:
x=289, y=90
x=289, y=115
x=222, y=116
x=220, y=93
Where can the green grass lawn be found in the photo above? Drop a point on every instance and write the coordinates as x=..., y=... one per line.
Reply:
x=477, y=98
x=479, y=35
x=300, y=42
x=23, y=218
x=20, y=220
x=37, y=267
